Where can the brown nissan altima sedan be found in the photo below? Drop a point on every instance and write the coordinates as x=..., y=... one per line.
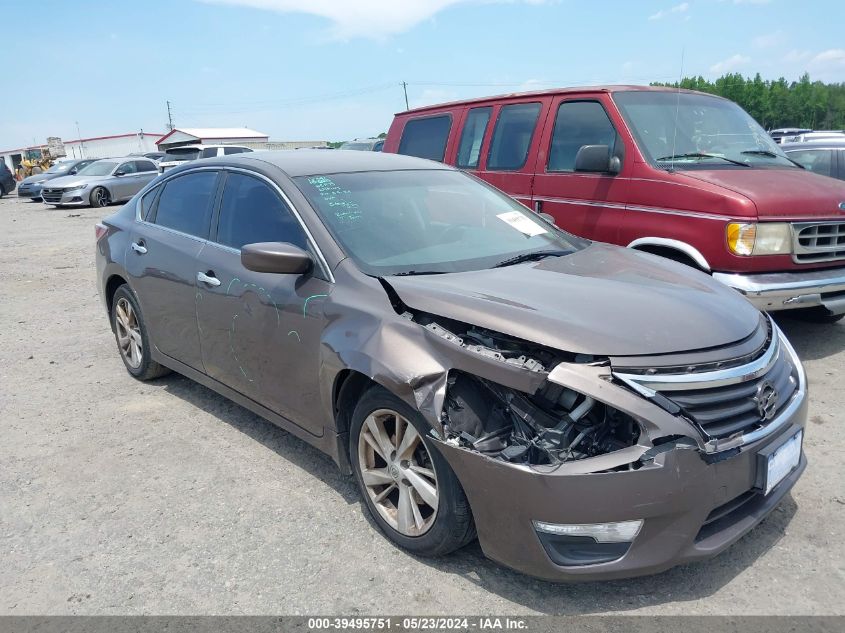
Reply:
x=586, y=411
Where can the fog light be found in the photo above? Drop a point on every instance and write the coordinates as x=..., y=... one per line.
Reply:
x=621, y=532
x=575, y=545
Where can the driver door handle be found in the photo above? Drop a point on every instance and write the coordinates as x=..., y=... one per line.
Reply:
x=139, y=247
x=209, y=278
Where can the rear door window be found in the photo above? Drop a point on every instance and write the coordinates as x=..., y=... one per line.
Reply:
x=185, y=203
x=818, y=161
x=512, y=136
x=209, y=152
x=426, y=138
x=578, y=123
x=472, y=137
x=145, y=165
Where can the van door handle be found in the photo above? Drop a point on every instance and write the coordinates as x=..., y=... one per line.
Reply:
x=209, y=279
x=139, y=247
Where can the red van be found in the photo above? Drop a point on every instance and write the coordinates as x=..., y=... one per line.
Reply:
x=682, y=174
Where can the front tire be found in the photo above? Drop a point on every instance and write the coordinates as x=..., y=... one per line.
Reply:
x=130, y=332
x=100, y=197
x=407, y=485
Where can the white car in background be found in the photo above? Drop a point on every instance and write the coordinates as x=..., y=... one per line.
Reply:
x=178, y=155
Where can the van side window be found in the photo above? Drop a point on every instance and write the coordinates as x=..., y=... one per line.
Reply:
x=426, y=138
x=512, y=136
x=472, y=136
x=578, y=123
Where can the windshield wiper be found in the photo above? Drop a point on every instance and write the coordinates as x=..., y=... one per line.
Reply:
x=703, y=155
x=530, y=257
x=765, y=152
x=408, y=273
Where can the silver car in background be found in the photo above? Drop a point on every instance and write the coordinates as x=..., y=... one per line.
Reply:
x=101, y=183
x=30, y=187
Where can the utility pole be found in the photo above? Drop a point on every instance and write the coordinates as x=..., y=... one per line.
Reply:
x=81, y=144
x=405, y=89
x=169, y=118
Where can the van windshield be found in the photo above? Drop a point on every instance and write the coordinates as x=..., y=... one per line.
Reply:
x=685, y=131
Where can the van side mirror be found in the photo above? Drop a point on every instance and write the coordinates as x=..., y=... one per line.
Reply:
x=275, y=257
x=548, y=217
x=597, y=158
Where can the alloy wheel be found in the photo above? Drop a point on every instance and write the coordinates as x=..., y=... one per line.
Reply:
x=397, y=472
x=128, y=333
x=101, y=197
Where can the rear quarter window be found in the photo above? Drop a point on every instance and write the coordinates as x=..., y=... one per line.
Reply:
x=426, y=137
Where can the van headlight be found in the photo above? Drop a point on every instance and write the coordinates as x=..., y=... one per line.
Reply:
x=764, y=238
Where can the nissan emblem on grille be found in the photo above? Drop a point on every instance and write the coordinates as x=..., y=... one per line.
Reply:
x=767, y=400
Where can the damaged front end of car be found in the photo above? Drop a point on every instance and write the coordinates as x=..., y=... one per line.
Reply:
x=567, y=460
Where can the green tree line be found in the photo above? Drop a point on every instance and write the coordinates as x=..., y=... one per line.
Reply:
x=779, y=103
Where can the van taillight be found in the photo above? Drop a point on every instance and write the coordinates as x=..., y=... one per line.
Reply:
x=100, y=230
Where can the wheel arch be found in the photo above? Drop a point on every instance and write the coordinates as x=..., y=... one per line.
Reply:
x=114, y=282
x=672, y=249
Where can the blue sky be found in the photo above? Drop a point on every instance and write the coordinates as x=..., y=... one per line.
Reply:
x=331, y=69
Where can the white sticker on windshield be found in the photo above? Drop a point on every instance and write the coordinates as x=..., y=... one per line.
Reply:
x=522, y=223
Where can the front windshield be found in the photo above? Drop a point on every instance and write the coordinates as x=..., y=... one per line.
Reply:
x=188, y=153
x=709, y=132
x=428, y=221
x=97, y=168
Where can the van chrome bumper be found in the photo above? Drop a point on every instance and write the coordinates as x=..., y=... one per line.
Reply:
x=787, y=291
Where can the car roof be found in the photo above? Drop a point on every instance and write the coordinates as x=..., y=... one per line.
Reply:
x=309, y=162
x=556, y=91
x=831, y=142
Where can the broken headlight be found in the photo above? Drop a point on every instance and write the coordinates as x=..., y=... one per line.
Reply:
x=553, y=426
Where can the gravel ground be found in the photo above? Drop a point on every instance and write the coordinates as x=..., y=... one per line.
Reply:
x=121, y=497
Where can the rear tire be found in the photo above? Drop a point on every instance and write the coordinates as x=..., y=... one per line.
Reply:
x=404, y=479
x=130, y=332
x=2, y=191
x=816, y=315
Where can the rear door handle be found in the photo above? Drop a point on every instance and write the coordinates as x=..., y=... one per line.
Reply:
x=209, y=279
x=139, y=247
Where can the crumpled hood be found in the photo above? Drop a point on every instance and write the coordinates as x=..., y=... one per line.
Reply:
x=780, y=193
x=74, y=181
x=603, y=300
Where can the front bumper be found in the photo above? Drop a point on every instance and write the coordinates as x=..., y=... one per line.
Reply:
x=675, y=496
x=29, y=191
x=77, y=197
x=693, y=503
x=791, y=290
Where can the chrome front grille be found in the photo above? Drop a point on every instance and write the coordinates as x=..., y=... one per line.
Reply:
x=738, y=408
x=51, y=195
x=735, y=405
x=818, y=241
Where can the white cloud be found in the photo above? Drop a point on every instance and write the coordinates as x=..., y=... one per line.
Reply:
x=731, y=63
x=678, y=8
x=831, y=57
x=796, y=56
x=362, y=18
x=768, y=40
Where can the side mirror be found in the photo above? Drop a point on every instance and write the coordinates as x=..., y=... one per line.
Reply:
x=597, y=158
x=72, y=171
x=119, y=172
x=275, y=257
